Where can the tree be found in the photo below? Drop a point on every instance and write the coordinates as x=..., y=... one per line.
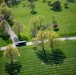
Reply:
x=65, y=5
x=11, y=53
x=34, y=23
x=1, y=1
x=2, y=26
x=53, y=39
x=32, y=6
x=6, y=1
x=18, y=28
x=55, y=25
x=3, y=33
x=30, y=1
x=56, y=6
x=40, y=20
x=41, y=36
x=6, y=11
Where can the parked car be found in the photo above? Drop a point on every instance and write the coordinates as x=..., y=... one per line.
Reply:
x=21, y=43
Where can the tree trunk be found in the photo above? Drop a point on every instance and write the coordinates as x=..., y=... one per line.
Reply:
x=42, y=41
x=44, y=50
x=52, y=45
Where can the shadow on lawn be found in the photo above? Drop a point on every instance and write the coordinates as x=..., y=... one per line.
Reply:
x=55, y=57
x=1, y=53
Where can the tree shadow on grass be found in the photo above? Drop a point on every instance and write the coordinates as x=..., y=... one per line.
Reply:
x=55, y=57
x=1, y=53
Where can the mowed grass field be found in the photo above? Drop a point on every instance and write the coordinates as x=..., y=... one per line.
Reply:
x=32, y=65
x=66, y=19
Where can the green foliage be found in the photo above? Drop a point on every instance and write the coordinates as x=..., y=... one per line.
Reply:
x=6, y=11
x=31, y=1
x=24, y=37
x=1, y=1
x=66, y=5
x=13, y=69
x=11, y=53
x=53, y=39
x=1, y=53
x=32, y=6
x=18, y=28
x=4, y=35
x=2, y=26
x=56, y=6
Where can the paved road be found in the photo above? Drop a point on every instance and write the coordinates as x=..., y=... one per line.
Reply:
x=11, y=33
x=15, y=39
x=31, y=43
x=9, y=30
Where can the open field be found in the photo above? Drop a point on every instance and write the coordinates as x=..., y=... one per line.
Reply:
x=66, y=19
x=32, y=65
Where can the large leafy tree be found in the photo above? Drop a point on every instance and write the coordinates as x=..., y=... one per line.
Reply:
x=41, y=36
x=53, y=39
x=18, y=27
x=34, y=23
x=13, y=68
x=41, y=19
x=11, y=53
x=56, y=6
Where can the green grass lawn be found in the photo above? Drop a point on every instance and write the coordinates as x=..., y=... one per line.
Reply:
x=4, y=43
x=32, y=65
x=66, y=19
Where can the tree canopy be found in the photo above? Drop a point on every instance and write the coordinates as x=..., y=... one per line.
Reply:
x=11, y=53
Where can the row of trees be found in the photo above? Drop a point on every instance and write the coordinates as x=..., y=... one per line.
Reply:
x=53, y=55
x=14, y=2
x=56, y=6
x=17, y=26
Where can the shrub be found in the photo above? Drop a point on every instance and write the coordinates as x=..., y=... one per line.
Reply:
x=65, y=5
x=33, y=12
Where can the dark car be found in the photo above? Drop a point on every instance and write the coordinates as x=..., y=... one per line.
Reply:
x=21, y=43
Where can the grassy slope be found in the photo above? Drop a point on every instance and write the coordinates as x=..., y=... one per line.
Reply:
x=31, y=64
x=66, y=18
